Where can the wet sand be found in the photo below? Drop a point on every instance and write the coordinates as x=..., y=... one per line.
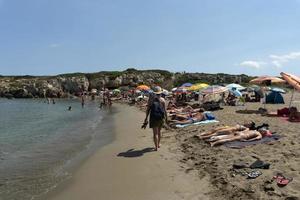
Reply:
x=129, y=169
x=215, y=163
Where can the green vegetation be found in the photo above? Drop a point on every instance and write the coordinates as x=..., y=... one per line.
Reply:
x=76, y=74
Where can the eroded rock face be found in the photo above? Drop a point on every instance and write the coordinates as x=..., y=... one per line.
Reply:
x=74, y=84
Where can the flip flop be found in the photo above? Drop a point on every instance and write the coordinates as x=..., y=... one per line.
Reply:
x=282, y=180
x=258, y=164
x=254, y=174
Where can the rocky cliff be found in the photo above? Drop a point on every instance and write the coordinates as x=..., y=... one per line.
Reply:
x=72, y=84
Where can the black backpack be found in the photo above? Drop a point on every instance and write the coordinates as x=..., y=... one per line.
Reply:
x=156, y=110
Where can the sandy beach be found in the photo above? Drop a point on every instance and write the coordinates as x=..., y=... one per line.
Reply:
x=216, y=162
x=129, y=169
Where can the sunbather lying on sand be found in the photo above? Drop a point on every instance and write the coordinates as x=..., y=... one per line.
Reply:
x=182, y=110
x=199, y=116
x=246, y=135
x=225, y=130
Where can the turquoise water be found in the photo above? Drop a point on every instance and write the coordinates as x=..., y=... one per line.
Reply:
x=38, y=140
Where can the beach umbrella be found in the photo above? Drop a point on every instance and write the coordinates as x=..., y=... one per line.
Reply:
x=116, y=91
x=214, y=89
x=236, y=92
x=236, y=86
x=186, y=85
x=198, y=86
x=264, y=79
x=181, y=90
x=293, y=81
x=143, y=87
x=278, y=90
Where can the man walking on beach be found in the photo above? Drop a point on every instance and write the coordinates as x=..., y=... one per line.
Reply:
x=157, y=109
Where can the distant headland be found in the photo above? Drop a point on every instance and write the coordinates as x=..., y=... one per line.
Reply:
x=64, y=85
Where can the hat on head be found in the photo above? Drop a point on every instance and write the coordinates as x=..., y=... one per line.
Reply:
x=157, y=90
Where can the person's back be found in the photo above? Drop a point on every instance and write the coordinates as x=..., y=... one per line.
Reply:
x=156, y=109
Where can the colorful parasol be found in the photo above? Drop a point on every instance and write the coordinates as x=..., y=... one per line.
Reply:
x=143, y=87
x=236, y=86
x=214, y=89
x=181, y=90
x=264, y=79
x=186, y=85
x=291, y=80
x=198, y=86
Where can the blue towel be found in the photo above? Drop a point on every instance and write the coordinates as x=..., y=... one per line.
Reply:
x=196, y=123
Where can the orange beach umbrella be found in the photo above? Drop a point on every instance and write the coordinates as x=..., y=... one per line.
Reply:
x=143, y=87
x=292, y=80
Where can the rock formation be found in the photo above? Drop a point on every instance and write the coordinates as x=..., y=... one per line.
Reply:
x=73, y=84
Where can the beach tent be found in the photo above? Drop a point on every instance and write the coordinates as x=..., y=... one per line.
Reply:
x=234, y=85
x=280, y=90
x=274, y=98
x=186, y=85
x=198, y=86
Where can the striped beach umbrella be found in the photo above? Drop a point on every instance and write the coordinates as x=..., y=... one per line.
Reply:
x=264, y=79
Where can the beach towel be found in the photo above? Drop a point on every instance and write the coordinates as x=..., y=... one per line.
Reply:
x=197, y=123
x=240, y=144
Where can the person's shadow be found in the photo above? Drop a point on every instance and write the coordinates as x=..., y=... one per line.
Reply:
x=135, y=153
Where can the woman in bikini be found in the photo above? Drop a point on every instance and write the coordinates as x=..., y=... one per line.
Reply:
x=226, y=130
x=246, y=135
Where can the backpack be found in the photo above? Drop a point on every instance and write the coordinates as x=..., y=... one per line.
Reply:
x=156, y=110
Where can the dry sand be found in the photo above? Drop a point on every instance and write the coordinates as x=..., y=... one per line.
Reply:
x=216, y=162
x=128, y=169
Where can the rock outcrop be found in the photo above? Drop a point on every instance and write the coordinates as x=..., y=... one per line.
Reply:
x=66, y=84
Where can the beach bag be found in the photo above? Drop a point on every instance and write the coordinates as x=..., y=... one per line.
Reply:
x=209, y=116
x=156, y=111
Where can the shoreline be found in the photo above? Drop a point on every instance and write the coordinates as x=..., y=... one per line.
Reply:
x=128, y=168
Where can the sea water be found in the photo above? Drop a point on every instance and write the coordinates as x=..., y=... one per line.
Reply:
x=39, y=140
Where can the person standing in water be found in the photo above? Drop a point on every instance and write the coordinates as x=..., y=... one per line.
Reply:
x=156, y=108
x=82, y=100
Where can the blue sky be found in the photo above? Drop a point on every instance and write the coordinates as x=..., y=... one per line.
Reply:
x=43, y=37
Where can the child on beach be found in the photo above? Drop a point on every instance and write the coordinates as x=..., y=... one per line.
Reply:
x=157, y=109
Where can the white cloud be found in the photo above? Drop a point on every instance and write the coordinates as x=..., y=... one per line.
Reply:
x=279, y=60
x=252, y=64
x=54, y=45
